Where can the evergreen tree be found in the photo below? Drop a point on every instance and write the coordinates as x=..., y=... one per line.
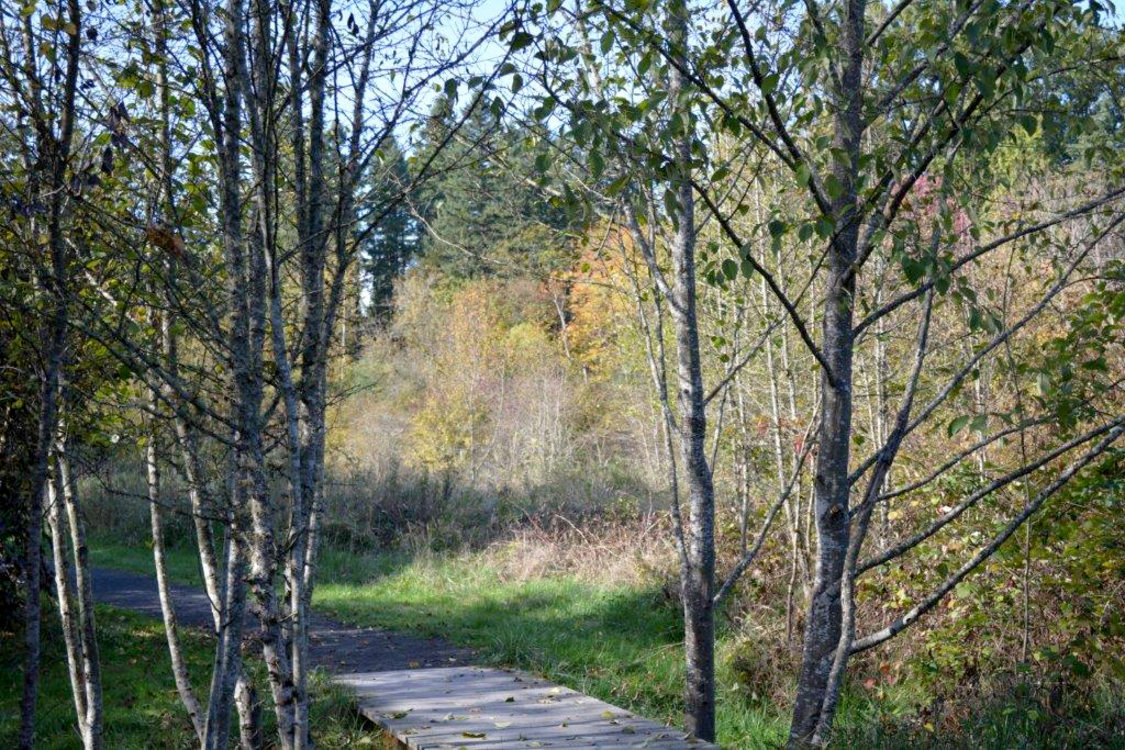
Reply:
x=482, y=214
x=392, y=243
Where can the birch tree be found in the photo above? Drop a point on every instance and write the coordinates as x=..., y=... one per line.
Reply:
x=249, y=239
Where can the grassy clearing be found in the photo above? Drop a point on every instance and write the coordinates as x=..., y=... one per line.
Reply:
x=142, y=708
x=621, y=643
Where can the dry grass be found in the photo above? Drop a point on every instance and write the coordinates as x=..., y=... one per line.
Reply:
x=634, y=550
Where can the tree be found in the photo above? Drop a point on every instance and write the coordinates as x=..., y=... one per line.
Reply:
x=45, y=118
x=483, y=214
x=393, y=244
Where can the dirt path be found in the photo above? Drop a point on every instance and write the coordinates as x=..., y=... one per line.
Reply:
x=336, y=647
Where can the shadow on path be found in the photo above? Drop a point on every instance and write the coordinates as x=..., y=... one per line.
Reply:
x=335, y=647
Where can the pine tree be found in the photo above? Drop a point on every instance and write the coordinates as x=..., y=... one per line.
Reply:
x=392, y=243
x=482, y=214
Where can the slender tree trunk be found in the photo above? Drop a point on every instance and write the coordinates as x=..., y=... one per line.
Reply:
x=742, y=466
x=64, y=590
x=883, y=404
x=171, y=629
x=93, y=725
x=698, y=578
x=823, y=628
x=33, y=560
x=227, y=669
x=228, y=654
x=250, y=735
x=203, y=511
x=263, y=262
x=57, y=152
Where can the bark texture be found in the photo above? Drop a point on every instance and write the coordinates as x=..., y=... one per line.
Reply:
x=831, y=506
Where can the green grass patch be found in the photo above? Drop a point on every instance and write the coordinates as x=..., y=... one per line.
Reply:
x=142, y=707
x=619, y=644
x=182, y=562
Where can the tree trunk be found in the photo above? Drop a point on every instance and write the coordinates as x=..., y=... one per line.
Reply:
x=57, y=153
x=243, y=385
x=93, y=724
x=228, y=654
x=698, y=578
x=33, y=559
x=64, y=590
x=171, y=629
x=823, y=627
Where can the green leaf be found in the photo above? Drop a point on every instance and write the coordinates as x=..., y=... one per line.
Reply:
x=834, y=187
x=804, y=174
x=520, y=40
x=964, y=67
x=597, y=163
x=913, y=269
x=607, y=42
x=644, y=64
x=958, y=424
x=825, y=226
x=730, y=269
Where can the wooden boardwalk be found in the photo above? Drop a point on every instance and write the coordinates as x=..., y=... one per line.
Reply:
x=476, y=707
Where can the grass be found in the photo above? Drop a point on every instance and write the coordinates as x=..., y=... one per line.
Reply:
x=183, y=563
x=142, y=708
x=623, y=644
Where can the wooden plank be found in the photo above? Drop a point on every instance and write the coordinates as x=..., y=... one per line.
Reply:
x=476, y=707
